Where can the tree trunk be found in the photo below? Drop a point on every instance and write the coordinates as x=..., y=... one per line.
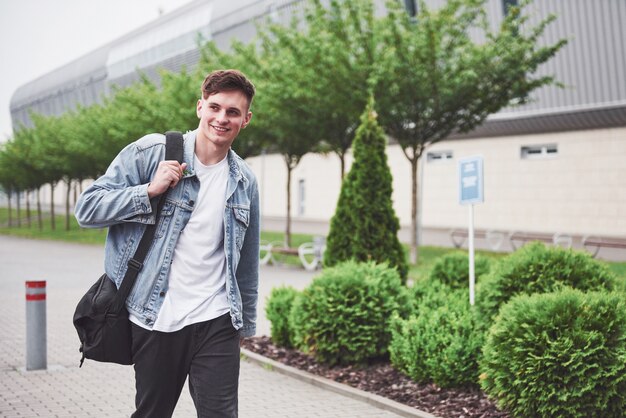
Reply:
x=53, y=224
x=342, y=158
x=414, y=256
x=68, y=193
x=10, y=208
x=39, y=215
x=288, y=226
x=28, y=208
x=18, y=207
x=76, y=183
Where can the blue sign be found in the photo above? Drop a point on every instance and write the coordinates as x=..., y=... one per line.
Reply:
x=471, y=180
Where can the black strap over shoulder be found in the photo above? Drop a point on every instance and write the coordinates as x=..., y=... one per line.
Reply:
x=174, y=146
x=173, y=151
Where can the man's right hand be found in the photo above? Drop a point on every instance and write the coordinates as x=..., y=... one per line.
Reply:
x=168, y=175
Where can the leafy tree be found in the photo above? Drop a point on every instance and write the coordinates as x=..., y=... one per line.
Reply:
x=7, y=176
x=365, y=226
x=27, y=177
x=333, y=51
x=177, y=100
x=134, y=111
x=437, y=76
x=87, y=134
x=49, y=155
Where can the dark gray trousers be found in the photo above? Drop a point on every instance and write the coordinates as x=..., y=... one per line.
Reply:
x=207, y=352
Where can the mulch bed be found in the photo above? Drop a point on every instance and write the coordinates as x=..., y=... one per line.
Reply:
x=383, y=380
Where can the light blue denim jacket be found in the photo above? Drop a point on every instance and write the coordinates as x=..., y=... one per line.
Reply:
x=119, y=200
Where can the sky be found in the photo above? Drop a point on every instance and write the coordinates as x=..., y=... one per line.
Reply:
x=37, y=36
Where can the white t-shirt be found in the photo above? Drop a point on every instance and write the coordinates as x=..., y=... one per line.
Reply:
x=197, y=278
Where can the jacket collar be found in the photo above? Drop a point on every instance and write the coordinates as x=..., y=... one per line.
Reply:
x=234, y=161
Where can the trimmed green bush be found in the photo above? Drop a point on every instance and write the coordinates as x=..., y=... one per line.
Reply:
x=442, y=344
x=427, y=294
x=365, y=226
x=278, y=308
x=343, y=316
x=536, y=268
x=560, y=354
x=453, y=269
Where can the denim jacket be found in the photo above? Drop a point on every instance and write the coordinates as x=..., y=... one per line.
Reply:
x=119, y=200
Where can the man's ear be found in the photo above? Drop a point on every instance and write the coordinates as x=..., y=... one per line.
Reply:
x=246, y=120
x=199, y=108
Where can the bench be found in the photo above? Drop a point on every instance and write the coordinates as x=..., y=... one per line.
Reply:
x=495, y=239
x=517, y=239
x=309, y=253
x=285, y=250
x=593, y=244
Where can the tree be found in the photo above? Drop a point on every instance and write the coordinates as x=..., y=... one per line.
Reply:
x=333, y=50
x=7, y=176
x=48, y=154
x=436, y=78
x=177, y=99
x=26, y=176
x=134, y=111
x=365, y=226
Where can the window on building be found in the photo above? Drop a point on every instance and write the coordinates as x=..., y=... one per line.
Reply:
x=507, y=4
x=438, y=156
x=272, y=13
x=539, y=151
x=411, y=7
x=301, y=197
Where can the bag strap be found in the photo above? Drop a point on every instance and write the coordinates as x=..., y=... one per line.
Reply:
x=173, y=151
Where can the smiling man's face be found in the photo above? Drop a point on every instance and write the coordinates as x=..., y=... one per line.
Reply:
x=222, y=115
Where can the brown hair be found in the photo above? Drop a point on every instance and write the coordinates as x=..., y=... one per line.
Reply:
x=227, y=80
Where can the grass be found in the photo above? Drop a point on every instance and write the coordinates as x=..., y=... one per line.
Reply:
x=74, y=234
x=427, y=255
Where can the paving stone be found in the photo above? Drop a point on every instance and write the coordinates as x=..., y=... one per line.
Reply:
x=107, y=390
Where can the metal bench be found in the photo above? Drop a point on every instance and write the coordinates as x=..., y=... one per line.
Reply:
x=309, y=253
x=593, y=244
x=495, y=239
x=517, y=239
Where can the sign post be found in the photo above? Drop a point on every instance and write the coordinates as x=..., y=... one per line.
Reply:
x=470, y=192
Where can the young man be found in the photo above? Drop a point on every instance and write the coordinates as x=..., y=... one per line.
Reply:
x=196, y=295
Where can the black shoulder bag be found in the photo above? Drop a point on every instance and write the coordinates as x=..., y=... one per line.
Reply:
x=101, y=318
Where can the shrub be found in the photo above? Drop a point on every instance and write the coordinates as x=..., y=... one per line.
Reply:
x=428, y=294
x=278, y=308
x=536, y=268
x=453, y=269
x=365, y=226
x=442, y=344
x=561, y=354
x=343, y=316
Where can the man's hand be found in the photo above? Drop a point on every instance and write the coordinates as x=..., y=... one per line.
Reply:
x=168, y=175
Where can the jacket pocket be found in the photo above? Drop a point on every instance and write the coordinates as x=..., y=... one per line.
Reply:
x=165, y=218
x=242, y=220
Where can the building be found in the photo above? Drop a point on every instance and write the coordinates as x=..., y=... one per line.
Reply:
x=554, y=166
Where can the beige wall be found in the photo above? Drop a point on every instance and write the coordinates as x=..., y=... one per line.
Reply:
x=579, y=191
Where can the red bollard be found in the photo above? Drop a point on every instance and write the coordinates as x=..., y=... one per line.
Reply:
x=36, y=333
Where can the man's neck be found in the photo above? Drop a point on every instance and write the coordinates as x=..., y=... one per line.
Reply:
x=208, y=153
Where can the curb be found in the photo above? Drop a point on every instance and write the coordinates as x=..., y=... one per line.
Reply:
x=340, y=388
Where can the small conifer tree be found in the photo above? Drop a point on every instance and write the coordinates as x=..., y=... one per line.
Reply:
x=364, y=226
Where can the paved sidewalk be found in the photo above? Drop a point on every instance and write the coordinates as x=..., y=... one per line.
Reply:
x=106, y=390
